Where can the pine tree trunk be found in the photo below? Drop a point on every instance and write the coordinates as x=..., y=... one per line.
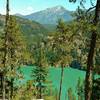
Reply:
x=11, y=95
x=40, y=91
x=61, y=80
x=4, y=89
x=1, y=83
x=6, y=48
x=40, y=95
x=12, y=79
x=89, y=76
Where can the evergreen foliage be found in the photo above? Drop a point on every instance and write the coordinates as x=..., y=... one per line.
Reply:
x=40, y=71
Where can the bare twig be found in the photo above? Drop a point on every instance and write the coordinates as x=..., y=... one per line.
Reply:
x=90, y=9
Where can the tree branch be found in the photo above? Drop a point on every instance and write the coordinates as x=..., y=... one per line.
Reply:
x=90, y=9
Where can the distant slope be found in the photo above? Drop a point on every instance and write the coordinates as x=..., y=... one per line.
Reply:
x=51, y=15
x=50, y=27
x=18, y=14
x=30, y=29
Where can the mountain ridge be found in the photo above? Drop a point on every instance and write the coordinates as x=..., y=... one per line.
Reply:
x=50, y=15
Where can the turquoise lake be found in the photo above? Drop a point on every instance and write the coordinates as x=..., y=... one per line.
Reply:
x=70, y=78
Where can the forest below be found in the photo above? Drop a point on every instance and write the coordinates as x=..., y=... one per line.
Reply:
x=51, y=59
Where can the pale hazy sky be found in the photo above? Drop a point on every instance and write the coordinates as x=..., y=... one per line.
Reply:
x=29, y=6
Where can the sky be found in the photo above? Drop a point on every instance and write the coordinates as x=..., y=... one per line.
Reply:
x=26, y=7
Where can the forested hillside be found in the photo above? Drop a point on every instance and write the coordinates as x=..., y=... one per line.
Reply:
x=28, y=28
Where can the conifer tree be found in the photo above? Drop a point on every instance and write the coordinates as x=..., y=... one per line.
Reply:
x=5, y=48
x=61, y=49
x=16, y=50
x=40, y=71
x=11, y=51
x=90, y=62
x=89, y=80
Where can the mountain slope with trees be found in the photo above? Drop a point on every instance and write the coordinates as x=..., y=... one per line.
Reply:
x=29, y=29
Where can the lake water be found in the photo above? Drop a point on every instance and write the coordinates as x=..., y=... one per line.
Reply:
x=70, y=78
